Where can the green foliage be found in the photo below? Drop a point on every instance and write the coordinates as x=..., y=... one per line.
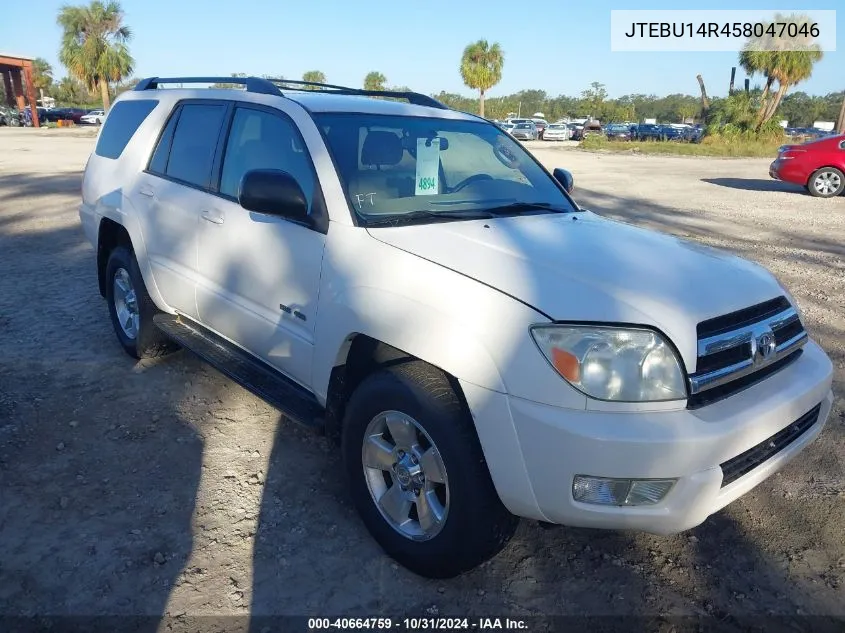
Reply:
x=481, y=68
x=374, y=81
x=802, y=110
x=94, y=44
x=315, y=76
x=228, y=86
x=42, y=75
x=734, y=147
x=764, y=56
x=70, y=90
x=634, y=107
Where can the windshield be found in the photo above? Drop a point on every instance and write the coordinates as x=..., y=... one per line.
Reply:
x=392, y=166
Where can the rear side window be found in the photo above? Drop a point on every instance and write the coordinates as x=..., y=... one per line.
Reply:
x=194, y=142
x=158, y=163
x=122, y=122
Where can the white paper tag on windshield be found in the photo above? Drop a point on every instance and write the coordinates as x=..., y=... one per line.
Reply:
x=428, y=167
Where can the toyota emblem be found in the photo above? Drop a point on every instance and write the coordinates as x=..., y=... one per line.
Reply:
x=766, y=345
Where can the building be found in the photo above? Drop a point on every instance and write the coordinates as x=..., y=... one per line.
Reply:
x=17, y=74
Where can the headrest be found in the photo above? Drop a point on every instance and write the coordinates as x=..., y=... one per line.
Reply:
x=381, y=148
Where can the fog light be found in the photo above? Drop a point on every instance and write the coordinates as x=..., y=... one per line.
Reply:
x=620, y=492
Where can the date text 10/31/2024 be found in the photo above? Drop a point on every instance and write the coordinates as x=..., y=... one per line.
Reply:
x=414, y=624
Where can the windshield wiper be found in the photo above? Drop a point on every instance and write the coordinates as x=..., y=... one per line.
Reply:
x=516, y=207
x=416, y=216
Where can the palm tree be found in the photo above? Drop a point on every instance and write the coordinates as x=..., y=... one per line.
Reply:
x=768, y=57
x=374, y=81
x=94, y=42
x=795, y=67
x=481, y=68
x=316, y=76
x=42, y=74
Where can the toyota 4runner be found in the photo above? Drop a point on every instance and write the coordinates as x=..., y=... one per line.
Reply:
x=410, y=280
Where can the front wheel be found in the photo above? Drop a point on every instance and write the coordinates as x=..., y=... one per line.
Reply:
x=417, y=473
x=827, y=182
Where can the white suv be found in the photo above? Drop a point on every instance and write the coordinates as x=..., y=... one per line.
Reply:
x=411, y=280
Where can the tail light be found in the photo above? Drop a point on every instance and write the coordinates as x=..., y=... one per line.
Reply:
x=791, y=153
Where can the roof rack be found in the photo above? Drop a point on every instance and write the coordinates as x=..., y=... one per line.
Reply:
x=252, y=84
x=275, y=87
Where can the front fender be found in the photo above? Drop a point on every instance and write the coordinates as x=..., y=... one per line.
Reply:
x=405, y=323
x=470, y=330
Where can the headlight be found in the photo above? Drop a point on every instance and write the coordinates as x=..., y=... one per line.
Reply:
x=613, y=363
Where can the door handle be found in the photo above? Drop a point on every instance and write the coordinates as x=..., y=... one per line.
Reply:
x=146, y=191
x=213, y=216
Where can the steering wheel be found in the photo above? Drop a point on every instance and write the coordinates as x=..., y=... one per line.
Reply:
x=468, y=181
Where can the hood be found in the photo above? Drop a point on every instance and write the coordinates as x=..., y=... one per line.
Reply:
x=582, y=267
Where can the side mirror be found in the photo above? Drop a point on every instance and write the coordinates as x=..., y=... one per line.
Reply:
x=564, y=177
x=273, y=192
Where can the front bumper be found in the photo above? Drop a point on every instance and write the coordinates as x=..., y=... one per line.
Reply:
x=549, y=446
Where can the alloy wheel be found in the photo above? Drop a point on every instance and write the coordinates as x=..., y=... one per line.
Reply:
x=405, y=475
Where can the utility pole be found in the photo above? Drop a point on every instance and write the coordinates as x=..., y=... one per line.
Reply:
x=733, y=76
x=840, y=122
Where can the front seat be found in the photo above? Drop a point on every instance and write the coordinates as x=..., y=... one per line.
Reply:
x=380, y=149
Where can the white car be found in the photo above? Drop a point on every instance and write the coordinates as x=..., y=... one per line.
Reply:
x=95, y=117
x=557, y=132
x=507, y=127
x=409, y=279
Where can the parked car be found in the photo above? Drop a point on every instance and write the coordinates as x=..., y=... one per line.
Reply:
x=507, y=127
x=51, y=115
x=93, y=117
x=670, y=132
x=618, y=132
x=541, y=125
x=525, y=131
x=65, y=114
x=417, y=287
x=10, y=117
x=649, y=132
x=557, y=132
x=576, y=131
x=818, y=166
x=592, y=128
x=696, y=133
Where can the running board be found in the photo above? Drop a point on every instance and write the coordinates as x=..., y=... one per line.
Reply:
x=295, y=402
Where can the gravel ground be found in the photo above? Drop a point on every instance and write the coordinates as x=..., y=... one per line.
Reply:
x=163, y=488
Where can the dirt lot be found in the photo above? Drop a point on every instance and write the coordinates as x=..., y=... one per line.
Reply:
x=163, y=488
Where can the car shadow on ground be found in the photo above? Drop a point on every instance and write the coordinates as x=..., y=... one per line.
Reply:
x=128, y=490
x=755, y=184
x=98, y=480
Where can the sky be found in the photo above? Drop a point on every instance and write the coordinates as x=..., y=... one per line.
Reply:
x=557, y=47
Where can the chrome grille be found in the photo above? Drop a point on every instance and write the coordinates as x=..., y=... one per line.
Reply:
x=736, y=348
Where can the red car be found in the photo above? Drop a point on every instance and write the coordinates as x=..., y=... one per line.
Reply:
x=819, y=166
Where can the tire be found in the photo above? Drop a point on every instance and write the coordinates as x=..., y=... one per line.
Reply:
x=827, y=182
x=475, y=525
x=142, y=339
